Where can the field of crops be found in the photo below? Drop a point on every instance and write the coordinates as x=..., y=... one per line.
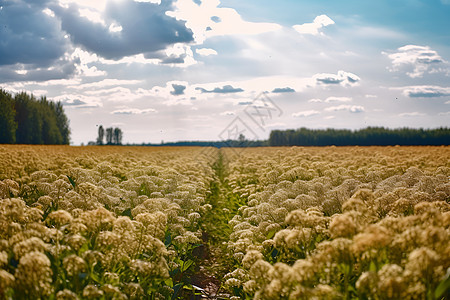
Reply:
x=256, y=223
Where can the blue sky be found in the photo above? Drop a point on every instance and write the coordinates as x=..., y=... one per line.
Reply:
x=206, y=70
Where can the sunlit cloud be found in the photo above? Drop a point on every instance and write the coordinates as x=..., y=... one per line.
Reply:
x=206, y=51
x=305, y=113
x=350, y=108
x=314, y=27
x=425, y=91
x=422, y=59
x=133, y=111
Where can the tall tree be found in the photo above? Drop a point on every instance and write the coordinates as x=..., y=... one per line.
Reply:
x=63, y=123
x=8, y=124
x=117, y=138
x=101, y=135
x=109, y=135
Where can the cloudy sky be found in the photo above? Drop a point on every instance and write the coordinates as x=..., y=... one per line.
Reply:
x=209, y=69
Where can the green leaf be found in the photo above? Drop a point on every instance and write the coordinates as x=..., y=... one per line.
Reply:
x=442, y=288
x=169, y=282
x=72, y=182
x=95, y=277
x=127, y=213
x=271, y=233
x=373, y=267
x=186, y=265
x=176, y=290
x=168, y=240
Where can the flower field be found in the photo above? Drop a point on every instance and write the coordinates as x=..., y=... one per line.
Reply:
x=255, y=223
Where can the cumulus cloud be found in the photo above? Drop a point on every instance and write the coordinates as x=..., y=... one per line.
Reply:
x=343, y=78
x=425, y=91
x=29, y=34
x=206, y=19
x=133, y=111
x=226, y=89
x=305, y=113
x=206, y=51
x=350, y=108
x=314, y=27
x=421, y=59
x=283, y=90
x=60, y=69
x=145, y=28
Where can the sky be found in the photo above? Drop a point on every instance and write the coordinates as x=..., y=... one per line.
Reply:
x=212, y=70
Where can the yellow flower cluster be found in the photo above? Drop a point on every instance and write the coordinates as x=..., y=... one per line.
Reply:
x=90, y=222
x=340, y=222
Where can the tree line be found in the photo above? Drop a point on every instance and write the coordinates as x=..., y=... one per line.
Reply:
x=370, y=136
x=113, y=136
x=25, y=119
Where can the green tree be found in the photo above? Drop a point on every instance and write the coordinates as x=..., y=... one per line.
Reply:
x=62, y=123
x=40, y=121
x=117, y=136
x=109, y=135
x=101, y=135
x=8, y=124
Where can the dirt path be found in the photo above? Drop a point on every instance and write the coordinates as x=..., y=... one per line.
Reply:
x=214, y=260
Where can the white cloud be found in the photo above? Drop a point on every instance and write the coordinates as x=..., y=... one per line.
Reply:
x=133, y=111
x=49, y=12
x=350, y=108
x=305, y=113
x=425, y=91
x=98, y=5
x=206, y=51
x=78, y=101
x=115, y=27
x=315, y=100
x=314, y=27
x=105, y=83
x=206, y=20
x=411, y=114
x=422, y=59
x=338, y=99
x=447, y=113
x=92, y=15
x=343, y=78
x=371, y=96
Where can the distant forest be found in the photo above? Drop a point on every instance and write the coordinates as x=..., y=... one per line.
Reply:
x=27, y=120
x=370, y=136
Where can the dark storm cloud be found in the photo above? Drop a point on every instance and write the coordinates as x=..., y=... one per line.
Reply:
x=28, y=35
x=226, y=89
x=61, y=69
x=174, y=59
x=145, y=28
x=178, y=89
x=283, y=90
